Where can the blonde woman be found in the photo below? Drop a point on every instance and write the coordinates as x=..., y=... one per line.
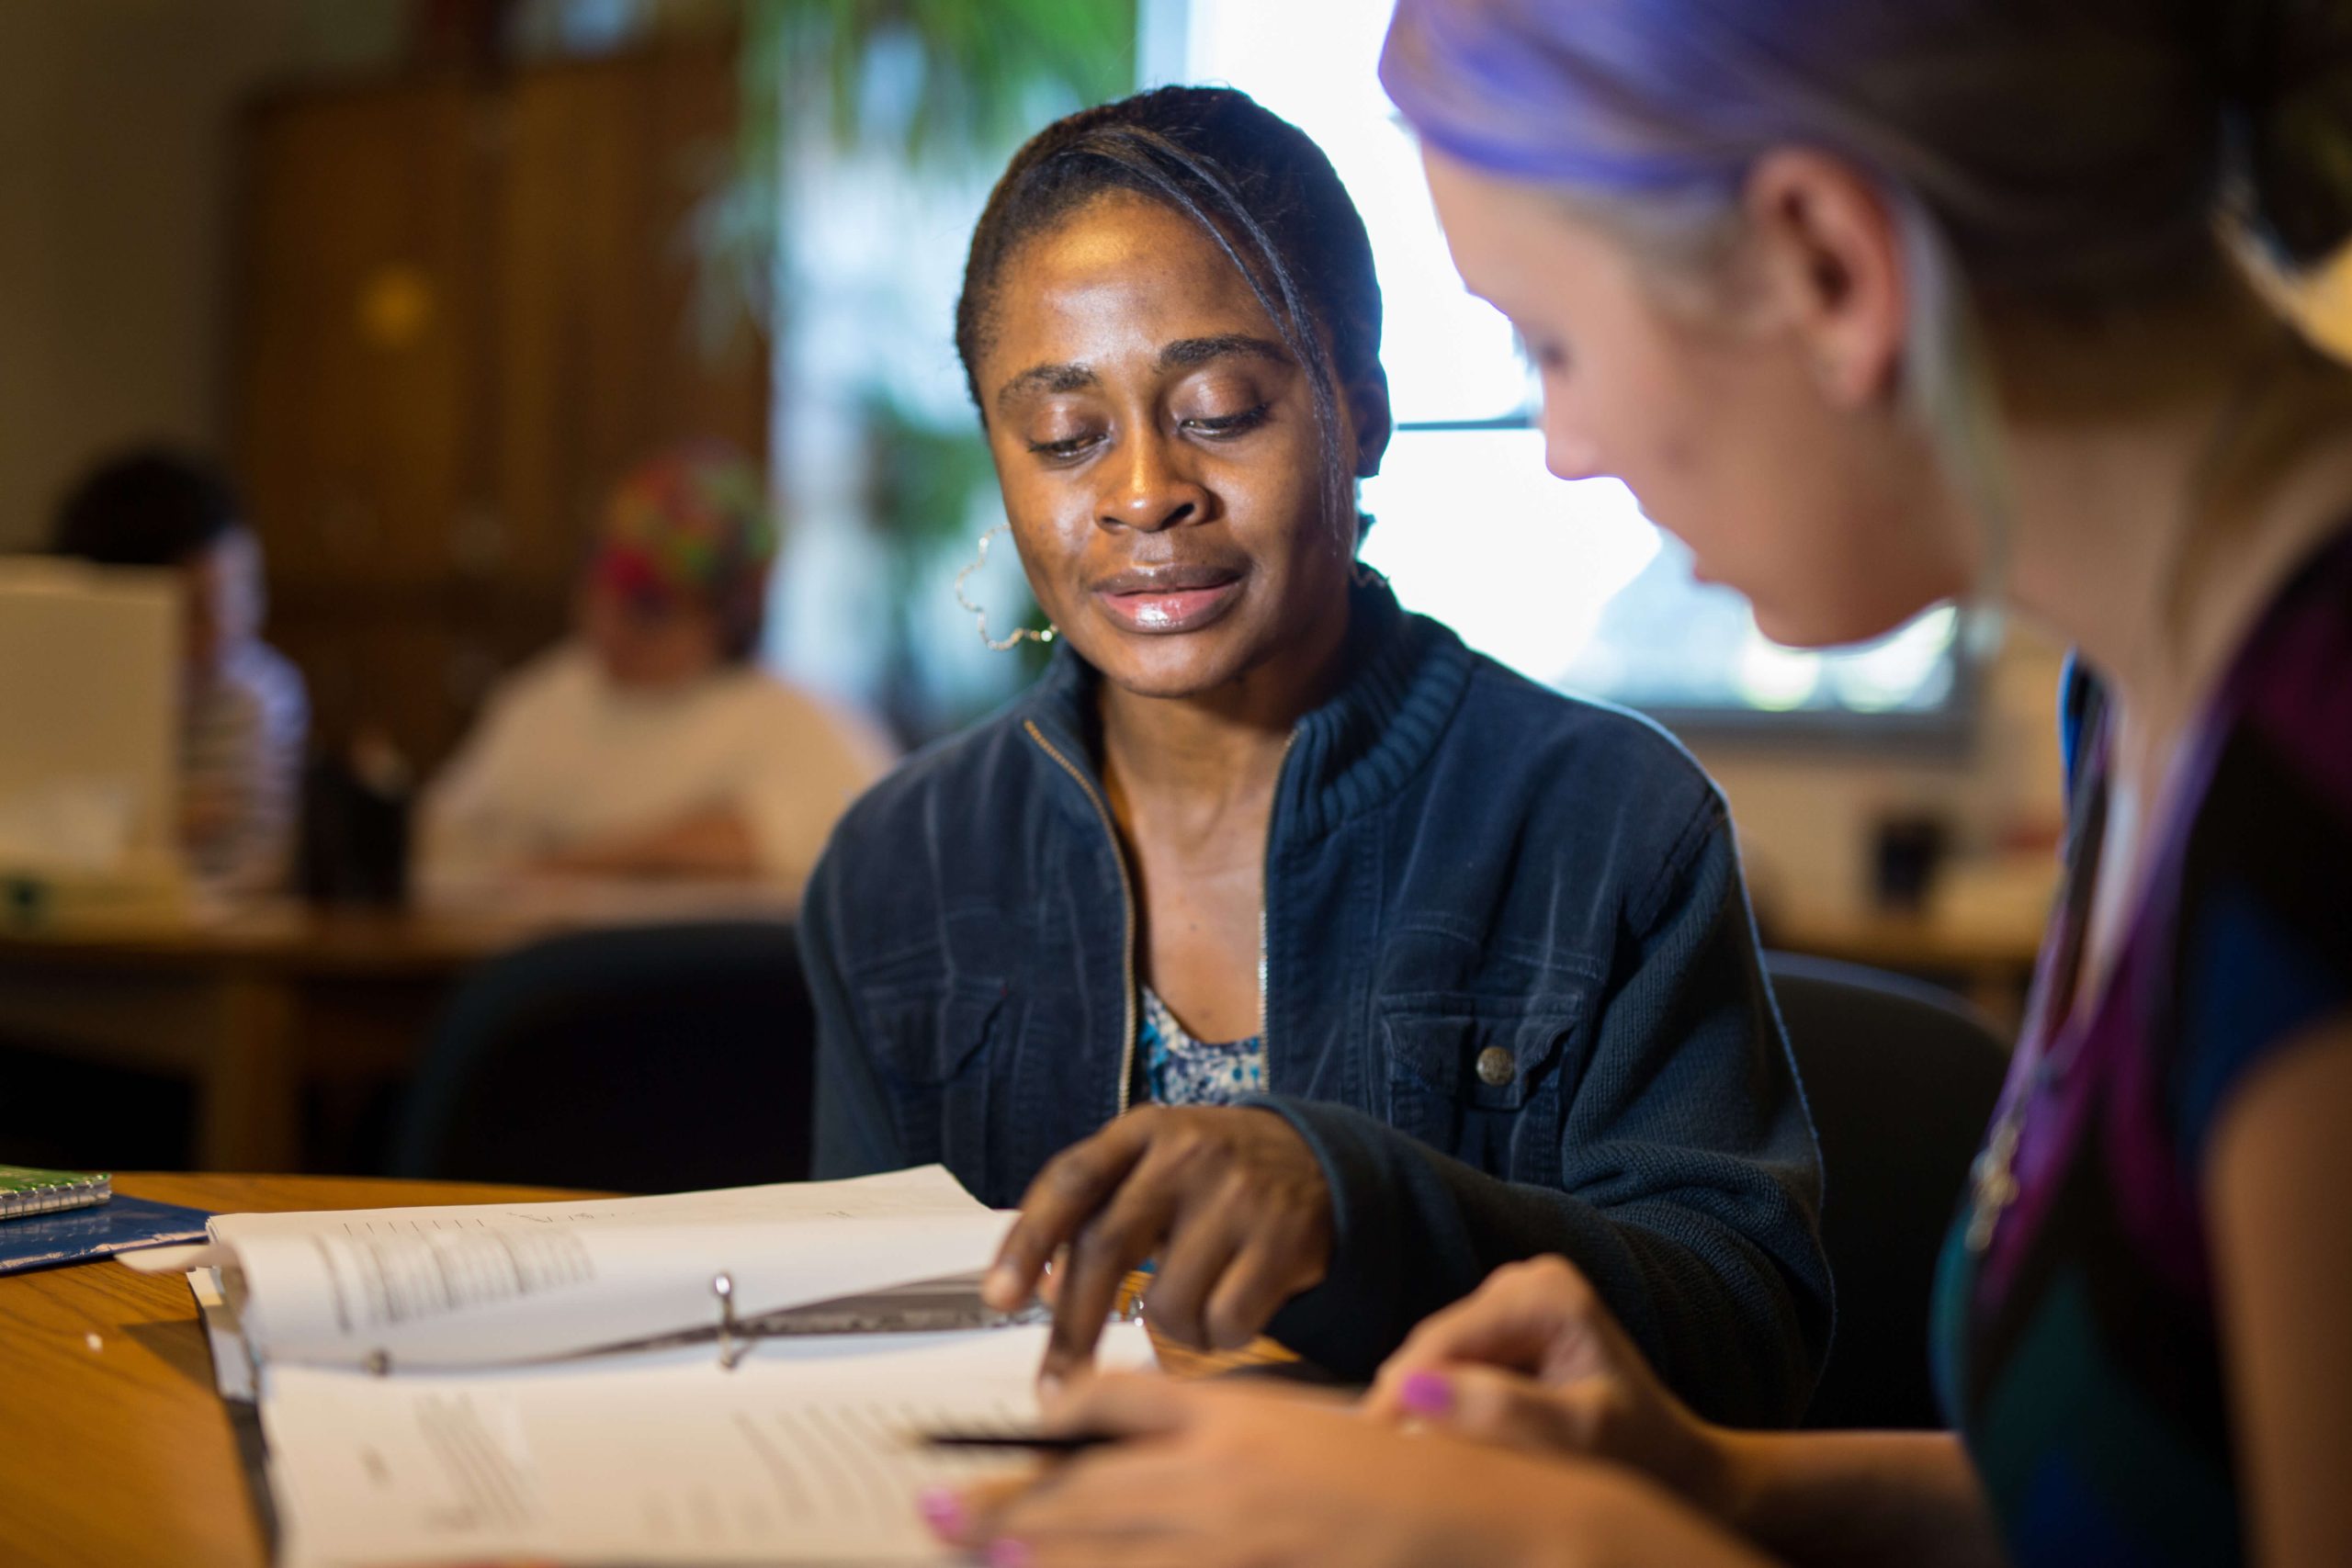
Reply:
x=1876, y=306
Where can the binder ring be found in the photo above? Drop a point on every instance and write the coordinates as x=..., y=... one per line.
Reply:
x=731, y=1344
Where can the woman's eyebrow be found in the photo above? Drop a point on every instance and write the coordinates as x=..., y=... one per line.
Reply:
x=1185, y=353
x=1066, y=378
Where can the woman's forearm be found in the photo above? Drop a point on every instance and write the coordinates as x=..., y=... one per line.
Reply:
x=1829, y=1499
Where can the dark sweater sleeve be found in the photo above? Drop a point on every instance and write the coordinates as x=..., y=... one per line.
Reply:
x=1691, y=1184
x=855, y=1133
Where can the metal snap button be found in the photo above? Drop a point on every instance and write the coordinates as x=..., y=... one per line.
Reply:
x=1495, y=1067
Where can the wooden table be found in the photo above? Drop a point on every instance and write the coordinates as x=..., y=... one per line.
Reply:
x=1980, y=931
x=122, y=1455
x=253, y=1003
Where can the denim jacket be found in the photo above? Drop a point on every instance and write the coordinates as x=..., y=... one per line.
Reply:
x=1512, y=1001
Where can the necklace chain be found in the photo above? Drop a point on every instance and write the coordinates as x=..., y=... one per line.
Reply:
x=1993, y=1185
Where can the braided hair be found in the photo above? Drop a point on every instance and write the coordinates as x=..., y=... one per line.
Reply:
x=1264, y=194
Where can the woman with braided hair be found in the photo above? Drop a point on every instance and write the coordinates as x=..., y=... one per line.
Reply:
x=1274, y=935
x=650, y=744
x=1875, y=305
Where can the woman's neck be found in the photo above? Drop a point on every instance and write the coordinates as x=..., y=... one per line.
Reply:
x=1207, y=756
x=2151, y=540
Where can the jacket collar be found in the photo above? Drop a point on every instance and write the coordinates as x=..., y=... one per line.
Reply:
x=1406, y=675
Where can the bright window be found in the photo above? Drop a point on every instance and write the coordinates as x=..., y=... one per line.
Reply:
x=1595, y=599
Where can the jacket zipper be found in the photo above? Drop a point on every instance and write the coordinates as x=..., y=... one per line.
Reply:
x=1127, y=899
x=1265, y=899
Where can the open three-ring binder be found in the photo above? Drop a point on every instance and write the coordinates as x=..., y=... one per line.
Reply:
x=442, y=1288
x=704, y=1377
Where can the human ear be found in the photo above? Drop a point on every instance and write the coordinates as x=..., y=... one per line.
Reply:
x=1368, y=413
x=1828, y=257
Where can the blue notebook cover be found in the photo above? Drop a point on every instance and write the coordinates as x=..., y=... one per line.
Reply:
x=77, y=1235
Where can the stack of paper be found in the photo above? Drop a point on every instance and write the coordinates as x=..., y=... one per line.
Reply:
x=809, y=1452
x=472, y=1382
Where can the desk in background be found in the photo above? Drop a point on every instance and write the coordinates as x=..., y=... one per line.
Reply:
x=1979, y=934
x=254, y=1004
x=1992, y=968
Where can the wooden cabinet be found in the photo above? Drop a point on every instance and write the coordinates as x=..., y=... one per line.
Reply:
x=465, y=309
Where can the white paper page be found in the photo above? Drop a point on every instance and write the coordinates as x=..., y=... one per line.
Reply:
x=478, y=1284
x=233, y=1369
x=927, y=1191
x=803, y=1454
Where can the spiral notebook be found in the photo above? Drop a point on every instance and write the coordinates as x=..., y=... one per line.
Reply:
x=25, y=1190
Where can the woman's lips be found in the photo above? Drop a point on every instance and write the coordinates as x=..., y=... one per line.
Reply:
x=1161, y=602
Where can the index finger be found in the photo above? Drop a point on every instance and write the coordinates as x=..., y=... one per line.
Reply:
x=1533, y=1318
x=1074, y=1185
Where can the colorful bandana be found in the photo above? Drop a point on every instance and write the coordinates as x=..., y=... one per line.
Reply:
x=690, y=525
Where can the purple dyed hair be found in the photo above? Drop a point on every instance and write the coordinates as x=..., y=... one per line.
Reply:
x=2064, y=146
x=2047, y=153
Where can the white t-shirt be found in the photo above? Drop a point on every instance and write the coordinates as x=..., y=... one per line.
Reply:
x=562, y=757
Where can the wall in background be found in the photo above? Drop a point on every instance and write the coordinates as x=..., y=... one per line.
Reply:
x=466, y=306
x=117, y=122
x=117, y=179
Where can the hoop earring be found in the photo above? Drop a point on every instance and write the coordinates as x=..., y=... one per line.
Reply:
x=981, y=616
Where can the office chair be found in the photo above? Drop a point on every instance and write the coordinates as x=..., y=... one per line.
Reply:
x=645, y=1059
x=1901, y=1078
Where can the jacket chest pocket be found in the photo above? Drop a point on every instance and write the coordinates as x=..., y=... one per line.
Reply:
x=941, y=1050
x=1483, y=1078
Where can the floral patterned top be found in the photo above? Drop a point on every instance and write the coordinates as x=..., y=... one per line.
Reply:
x=1181, y=1070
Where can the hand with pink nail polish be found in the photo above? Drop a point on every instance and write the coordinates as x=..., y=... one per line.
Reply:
x=1534, y=1360
x=965, y=1515
x=943, y=1509
x=1236, y=1475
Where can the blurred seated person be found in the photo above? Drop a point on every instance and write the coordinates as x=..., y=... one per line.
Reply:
x=651, y=744
x=245, y=713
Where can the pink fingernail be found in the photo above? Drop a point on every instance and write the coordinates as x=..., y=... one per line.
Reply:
x=1008, y=1553
x=942, y=1510
x=1426, y=1393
